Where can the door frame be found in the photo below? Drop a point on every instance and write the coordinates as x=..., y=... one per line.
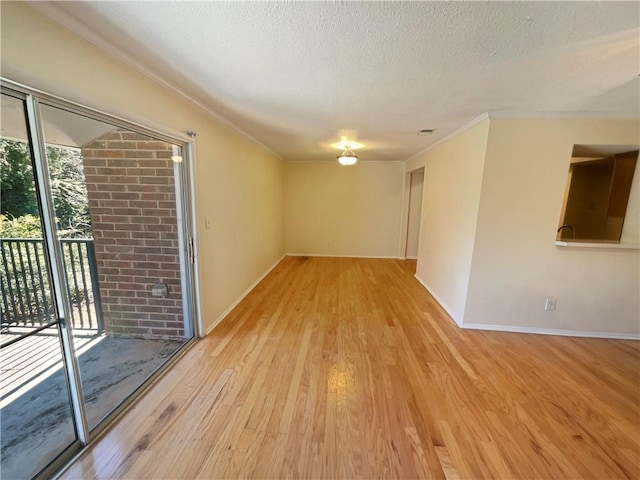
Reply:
x=185, y=201
x=406, y=203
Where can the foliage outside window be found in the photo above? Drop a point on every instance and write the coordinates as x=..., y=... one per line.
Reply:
x=18, y=206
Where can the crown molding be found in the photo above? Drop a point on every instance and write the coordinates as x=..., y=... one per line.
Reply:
x=455, y=133
x=521, y=114
x=578, y=114
x=56, y=13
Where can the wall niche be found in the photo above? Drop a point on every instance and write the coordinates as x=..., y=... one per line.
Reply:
x=596, y=198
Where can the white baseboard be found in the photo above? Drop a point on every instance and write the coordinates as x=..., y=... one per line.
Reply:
x=411, y=258
x=341, y=256
x=530, y=330
x=551, y=331
x=442, y=304
x=241, y=297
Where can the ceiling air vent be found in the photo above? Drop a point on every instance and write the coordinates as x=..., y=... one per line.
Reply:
x=426, y=131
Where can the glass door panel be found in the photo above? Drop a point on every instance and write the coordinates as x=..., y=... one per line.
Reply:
x=120, y=224
x=35, y=407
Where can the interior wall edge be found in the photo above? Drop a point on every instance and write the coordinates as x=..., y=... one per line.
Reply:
x=410, y=162
x=404, y=215
x=443, y=305
x=224, y=314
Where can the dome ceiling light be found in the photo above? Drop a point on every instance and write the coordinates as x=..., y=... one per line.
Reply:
x=347, y=157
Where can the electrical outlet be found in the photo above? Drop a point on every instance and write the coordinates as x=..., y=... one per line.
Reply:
x=550, y=304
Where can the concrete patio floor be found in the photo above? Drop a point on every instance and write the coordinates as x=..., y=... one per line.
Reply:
x=35, y=415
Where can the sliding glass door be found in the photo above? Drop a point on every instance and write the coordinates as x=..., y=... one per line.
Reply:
x=114, y=238
x=36, y=414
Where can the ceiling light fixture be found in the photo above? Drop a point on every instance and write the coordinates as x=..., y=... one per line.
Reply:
x=347, y=157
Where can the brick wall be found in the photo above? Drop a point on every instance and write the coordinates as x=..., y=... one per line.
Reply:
x=132, y=206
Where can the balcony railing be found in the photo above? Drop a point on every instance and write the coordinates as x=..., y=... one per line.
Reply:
x=26, y=294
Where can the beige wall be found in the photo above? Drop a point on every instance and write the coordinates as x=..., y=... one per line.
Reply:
x=335, y=210
x=239, y=184
x=516, y=264
x=452, y=181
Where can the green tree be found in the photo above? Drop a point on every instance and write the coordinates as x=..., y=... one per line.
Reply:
x=26, y=226
x=68, y=186
x=69, y=191
x=16, y=180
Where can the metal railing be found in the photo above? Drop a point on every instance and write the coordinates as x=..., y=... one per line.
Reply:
x=26, y=294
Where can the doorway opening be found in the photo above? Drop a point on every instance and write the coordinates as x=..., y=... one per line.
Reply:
x=415, y=185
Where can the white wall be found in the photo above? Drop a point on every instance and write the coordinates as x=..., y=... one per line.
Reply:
x=516, y=264
x=336, y=210
x=416, y=186
x=239, y=184
x=452, y=182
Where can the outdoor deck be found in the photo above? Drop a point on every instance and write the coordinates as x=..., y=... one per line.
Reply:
x=36, y=421
x=29, y=361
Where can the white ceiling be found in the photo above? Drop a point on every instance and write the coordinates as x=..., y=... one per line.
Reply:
x=297, y=75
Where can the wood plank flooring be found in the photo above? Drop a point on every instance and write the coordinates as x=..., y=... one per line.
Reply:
x=347, y=368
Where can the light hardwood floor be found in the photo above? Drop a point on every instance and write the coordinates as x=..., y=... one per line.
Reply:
x=347, y=368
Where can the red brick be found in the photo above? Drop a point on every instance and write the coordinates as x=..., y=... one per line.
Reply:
x=154, y=235
x=158, y=228
x=97, y=225
x=113, y=219
x=158, y=163
x=153, y=196
x=114, y=234
x=116, y=145
x=144, y=204
x=154, y=180
x=108, y=187
x=140, y=171
x=152, y=145
x=159, y=243
x=122, y=162
x=99, y=211
x=93, y=162
x=98, y=196
x=143, y=155
x=125, y=196
x=164, y=332
x=155, y=212
x=99, y=153
x=130, y=227
x=127, y=211
x=134, y=136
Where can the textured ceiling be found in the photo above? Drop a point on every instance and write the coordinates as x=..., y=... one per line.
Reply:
x=297, y=76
